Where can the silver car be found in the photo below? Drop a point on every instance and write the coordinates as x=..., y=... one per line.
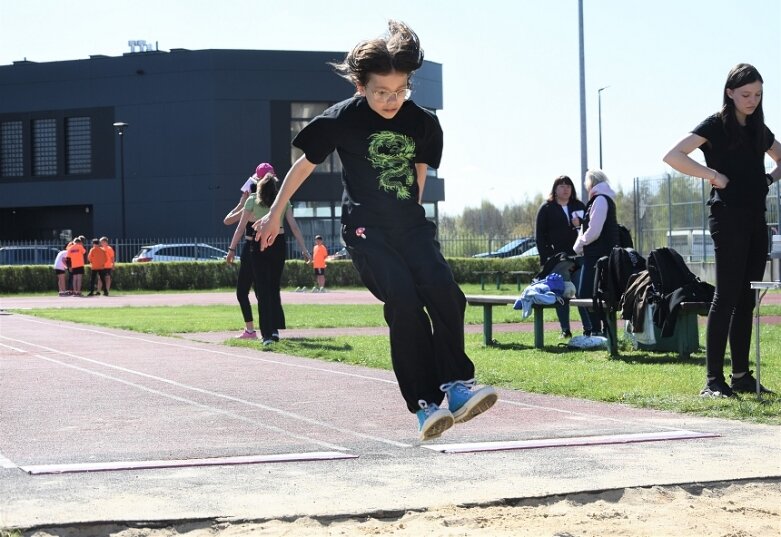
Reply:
x=179, y=252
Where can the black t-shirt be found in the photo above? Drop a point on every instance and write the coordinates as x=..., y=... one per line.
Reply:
x=378, y=158
x=742, y=163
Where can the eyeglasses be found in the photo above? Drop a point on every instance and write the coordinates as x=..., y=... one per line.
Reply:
x=386, y=96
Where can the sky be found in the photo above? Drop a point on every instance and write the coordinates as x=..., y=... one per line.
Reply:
x=511, y=114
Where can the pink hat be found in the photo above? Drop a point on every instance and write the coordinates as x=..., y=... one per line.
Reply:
x=264, y=168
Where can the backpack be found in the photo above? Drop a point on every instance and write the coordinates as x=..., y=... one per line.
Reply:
x=625, y=237
x=668, y=271
x=611, y=275
x=560, y=263
x=673, y=283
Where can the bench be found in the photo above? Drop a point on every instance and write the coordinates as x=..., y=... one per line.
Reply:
x=484, y=273
x=499, y=275
x=489, y=301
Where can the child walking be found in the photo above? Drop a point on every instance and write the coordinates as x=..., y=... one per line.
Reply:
x=386, y=144
x=319, y=253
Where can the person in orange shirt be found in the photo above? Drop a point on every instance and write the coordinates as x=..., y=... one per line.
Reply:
x=319, y=253
x=108, y=267
x=97, y=261
x=76, y=256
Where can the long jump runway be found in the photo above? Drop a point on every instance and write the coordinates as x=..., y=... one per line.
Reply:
x=103, y=424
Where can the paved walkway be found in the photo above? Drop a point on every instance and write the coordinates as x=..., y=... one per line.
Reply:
x=107, y=425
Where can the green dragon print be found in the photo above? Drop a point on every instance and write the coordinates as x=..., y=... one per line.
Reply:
x=391, y=153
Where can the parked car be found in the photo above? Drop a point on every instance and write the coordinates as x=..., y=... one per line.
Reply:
x=528, y=253
x=179, y=252
x=510, y=249
x=340, y=254
x=28, y=255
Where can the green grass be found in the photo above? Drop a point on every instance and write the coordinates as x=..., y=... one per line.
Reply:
x=660, y=381
x=166, y=320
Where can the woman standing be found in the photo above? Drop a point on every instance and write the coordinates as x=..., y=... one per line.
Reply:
x=734, y=142
x=267, y=264
x=597, y=237
x=558, y=220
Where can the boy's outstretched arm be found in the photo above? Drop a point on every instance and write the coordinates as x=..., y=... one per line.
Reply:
x=267, y=228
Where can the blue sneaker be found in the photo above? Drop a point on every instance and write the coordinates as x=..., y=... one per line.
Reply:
x=465, y=402
x=432, y=420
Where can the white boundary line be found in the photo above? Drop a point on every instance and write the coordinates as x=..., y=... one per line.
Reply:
x=218, y=395
x=205, y=349
x=574, y=441
x=7, y=463
x=190, y=402
x=39, y=469
x=591, y=416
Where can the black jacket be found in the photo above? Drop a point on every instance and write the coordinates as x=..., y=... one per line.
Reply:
x=554, y=232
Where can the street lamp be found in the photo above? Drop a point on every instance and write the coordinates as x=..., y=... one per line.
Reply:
x=599, y=95
x=121, y=127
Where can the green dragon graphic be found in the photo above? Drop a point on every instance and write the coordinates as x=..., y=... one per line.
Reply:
x=391, y=154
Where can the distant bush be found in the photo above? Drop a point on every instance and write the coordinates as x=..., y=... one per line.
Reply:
x=193, y=275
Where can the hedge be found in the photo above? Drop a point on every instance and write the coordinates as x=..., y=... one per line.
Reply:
x=193, y=275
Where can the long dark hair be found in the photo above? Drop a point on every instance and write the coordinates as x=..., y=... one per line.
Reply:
x=563, y=180
x=267, y=191
x=739, y=76
x=399, y=50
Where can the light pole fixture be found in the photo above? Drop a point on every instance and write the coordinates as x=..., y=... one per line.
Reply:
x=599, y=96
x=120, y=128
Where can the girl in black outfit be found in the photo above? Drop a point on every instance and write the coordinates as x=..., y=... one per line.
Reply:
x=386, y=144
x=734, y=142
x=557, y=226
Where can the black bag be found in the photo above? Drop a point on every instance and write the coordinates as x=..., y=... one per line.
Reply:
x=560, y=263
x=611, y=275
x=625, y=237
x=673, y=283
x=668, y=271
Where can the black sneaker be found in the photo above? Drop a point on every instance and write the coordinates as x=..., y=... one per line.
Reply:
x=565, y=334
x=716, y=388
x=747, y=384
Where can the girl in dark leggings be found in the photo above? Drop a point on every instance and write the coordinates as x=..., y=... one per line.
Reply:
x=266, y=265
x=245, y=279
x=734, y=142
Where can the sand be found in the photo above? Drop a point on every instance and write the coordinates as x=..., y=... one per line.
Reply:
x=726, y=510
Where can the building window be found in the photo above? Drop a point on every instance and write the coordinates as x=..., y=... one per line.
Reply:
x=300, y=115
x=44, y=135
x=312, y=209
x=78, y=145
x=11, y=149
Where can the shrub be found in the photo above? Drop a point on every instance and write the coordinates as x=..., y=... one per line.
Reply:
x=191, y=275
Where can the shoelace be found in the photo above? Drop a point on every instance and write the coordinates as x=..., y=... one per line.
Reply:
x=468, y=384
x=427, y=408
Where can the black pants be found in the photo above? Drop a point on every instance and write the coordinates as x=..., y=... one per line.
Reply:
x=592, y=321
x=245, y=282
x=94, y=275
x=424, y=307
x=740, y=243
x=267, y=269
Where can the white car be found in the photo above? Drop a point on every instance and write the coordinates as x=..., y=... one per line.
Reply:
x=28, y=255
x=179, y=252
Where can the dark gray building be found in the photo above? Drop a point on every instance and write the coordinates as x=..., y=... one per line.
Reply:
x=198, y=124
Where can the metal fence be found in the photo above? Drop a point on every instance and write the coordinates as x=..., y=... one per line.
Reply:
x=670, y=210
x=32, y=252
x=28, y=252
